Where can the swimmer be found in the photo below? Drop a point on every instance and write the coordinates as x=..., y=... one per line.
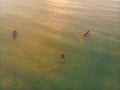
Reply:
x=14, y=34
x=62, y=58
x=86, y=33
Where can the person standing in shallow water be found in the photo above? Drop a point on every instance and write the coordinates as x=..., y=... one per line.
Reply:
x=62, y=58
x=14, y=34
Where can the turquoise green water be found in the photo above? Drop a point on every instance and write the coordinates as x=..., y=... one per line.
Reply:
x=46, y=28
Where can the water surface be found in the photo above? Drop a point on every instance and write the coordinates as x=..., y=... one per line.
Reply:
x=48, y=27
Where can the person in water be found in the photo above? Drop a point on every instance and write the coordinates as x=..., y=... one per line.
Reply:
x=62, y=58
x=86, y=33
x=14, y=34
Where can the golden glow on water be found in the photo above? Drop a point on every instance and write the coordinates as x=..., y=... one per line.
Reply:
x=59, y=2
x=54, y=18
x=47, y=27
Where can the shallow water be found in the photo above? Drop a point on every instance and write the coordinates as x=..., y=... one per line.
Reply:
x=45, y=28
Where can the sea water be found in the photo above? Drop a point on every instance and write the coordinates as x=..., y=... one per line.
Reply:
x=45, y=29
